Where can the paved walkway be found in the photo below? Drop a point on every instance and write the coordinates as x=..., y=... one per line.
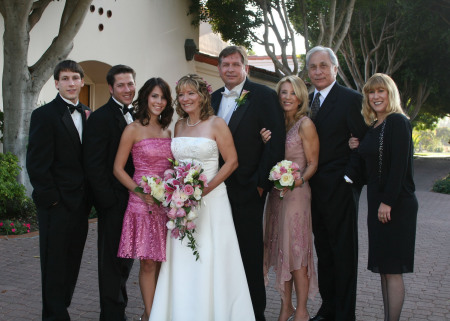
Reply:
x=427, y=289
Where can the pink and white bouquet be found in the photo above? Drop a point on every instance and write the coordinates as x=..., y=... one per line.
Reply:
x=153, y=185
x=184, y=184
x=284, y=174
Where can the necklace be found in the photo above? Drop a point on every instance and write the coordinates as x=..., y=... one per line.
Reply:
x=189, y=125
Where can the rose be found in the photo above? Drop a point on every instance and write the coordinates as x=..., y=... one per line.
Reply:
x=274, y=176
x=190, y=225
x=172, y=214
x=1, y=224
x=204, y=179
x=188, y=190
x=170, y=225
x=192, y=215
x=286, y=179
x=198, y=193
x=181, y=212
x=175, y=233
x=13, y=230
x=295, y=166
x=283, y=170
x=285, y=163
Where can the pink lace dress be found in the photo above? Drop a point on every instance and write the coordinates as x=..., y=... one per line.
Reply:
x=288, y=244
x=143, y=233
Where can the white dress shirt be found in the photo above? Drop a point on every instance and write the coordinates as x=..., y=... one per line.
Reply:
x=76, y=117
x=127, y=116
x=228, y=102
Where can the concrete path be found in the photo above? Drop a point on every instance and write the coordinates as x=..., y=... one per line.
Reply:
x=427, y=289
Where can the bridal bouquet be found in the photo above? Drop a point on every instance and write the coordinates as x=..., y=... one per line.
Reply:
x=153, y=185
x=183, y=185
x=284, y=174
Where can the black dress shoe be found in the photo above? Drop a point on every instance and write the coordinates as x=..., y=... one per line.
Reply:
x=319, y=317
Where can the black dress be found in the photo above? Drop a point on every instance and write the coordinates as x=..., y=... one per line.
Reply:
x=390, y=180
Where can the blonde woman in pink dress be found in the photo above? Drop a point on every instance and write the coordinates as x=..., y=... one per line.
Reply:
x=144, y=225
x=288, y=245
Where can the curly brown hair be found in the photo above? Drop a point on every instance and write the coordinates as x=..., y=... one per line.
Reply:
x=141, y=103
x=202, y=88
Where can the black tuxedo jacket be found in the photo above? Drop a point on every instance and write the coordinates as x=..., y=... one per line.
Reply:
x=101, y=140
x=260, y=110
x=54, y=156
x=338, y=119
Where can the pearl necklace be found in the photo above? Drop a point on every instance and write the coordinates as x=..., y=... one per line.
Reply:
x=189, y=125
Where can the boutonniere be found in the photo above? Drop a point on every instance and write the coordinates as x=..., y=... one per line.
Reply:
x=241, y=100
x=87, y=113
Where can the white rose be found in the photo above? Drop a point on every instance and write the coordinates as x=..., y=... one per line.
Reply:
x=286, y=164
x=286, y=179
x=192, y=215
x=170, y=225
x=197, y=193
x=158, y=193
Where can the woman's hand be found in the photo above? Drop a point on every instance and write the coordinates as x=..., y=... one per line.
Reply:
x=353, y=142
x=384, y=213
x=265, y=135
x=146, y=198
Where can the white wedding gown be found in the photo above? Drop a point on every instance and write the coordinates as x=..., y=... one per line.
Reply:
x=214, y=288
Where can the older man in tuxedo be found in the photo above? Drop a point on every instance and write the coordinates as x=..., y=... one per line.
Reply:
x=336, y=112
x=102, y=135
x=248, y=107
x=54, y=165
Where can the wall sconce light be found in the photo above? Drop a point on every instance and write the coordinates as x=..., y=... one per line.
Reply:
x=190, y=49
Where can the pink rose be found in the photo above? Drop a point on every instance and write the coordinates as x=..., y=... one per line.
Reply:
x=275, y=175
x=88, y=113
x=296, y=175
x=12, y=224
x=13, y=230
x=181, y=212
x=1, y=224
x=204, y=179
x=28, y=231
x=190, y=225
x=283, y=170
x=172, y=213
x=295, y=166
x=28, y=225
x=175, y=233
x=188, y=189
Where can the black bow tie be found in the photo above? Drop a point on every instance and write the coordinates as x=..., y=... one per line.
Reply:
x=125, y=109
x=72, y=108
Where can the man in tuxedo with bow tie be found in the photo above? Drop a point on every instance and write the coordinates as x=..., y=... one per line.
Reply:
x=102, y=135
x=54, y=165
x=248, y=107
x=336, y=112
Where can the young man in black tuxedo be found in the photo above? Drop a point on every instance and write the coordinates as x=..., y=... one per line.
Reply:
x=102, y=135
x=54, y=165
x=248, y=107
x=336, y=112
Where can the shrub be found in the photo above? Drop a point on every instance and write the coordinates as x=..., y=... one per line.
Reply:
x=10, y=189
x=442, y=185
x=14, y=227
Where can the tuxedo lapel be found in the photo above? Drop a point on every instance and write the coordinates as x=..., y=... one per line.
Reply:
x=67, y=120
x=240, y=110
x=216, y=99
x=327, y=105
x=118, y=115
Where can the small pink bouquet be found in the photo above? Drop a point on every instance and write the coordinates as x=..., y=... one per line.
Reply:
x=284, y=174
x=184, y=184
x=153, y=185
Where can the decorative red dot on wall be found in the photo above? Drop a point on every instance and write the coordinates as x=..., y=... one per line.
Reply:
x=100, y=11
x=92, y=8
x=100, y=27
x=109, y=13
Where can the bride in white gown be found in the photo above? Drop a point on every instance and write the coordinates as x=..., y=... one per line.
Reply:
x=214, y=288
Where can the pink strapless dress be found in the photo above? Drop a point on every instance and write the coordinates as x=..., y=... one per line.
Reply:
x=143, y=233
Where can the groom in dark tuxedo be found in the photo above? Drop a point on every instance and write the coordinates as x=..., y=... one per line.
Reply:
x=248, y=107
x=102, y=135
x=54, y=165
x=336, y=112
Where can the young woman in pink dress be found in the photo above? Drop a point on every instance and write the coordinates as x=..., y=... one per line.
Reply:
x=288, y=246
x=144, y=226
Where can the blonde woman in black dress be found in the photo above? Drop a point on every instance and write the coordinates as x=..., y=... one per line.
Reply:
x=387, y=150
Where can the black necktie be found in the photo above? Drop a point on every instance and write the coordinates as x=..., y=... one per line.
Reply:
x=72, y=108
x=315, y=106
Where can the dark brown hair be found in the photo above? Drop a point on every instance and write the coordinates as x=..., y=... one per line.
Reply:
x=141, y=103
x=67, y=65
x=118, y=69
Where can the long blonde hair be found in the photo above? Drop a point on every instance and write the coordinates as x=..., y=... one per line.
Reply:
x=301, y=92
x=377, y=81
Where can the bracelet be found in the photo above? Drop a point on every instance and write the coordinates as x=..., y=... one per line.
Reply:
x=303, y=181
